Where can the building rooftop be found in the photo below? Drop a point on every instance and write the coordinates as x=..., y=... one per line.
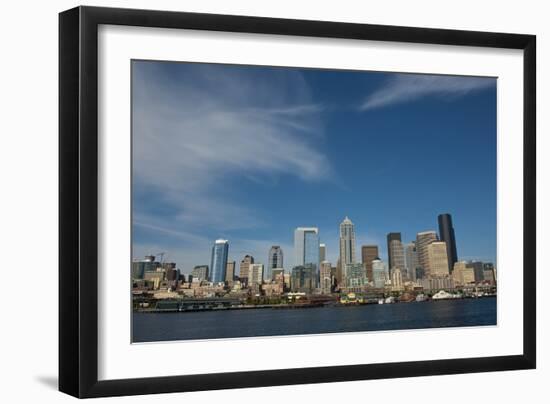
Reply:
x=347, y=221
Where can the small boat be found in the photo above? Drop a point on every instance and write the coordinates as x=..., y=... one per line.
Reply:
x=389, y=299
x=443, y=295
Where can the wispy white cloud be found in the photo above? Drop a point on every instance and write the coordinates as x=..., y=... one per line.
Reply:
x=409, y=87
x=198, y=130
x=167, y=230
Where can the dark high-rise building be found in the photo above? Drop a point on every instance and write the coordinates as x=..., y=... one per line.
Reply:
x=172, y=274
x=419, y=273
x=368, y=254
x=168, y=265
x=447, y=234
x=411, y=259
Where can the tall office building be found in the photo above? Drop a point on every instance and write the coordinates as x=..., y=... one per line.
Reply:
x=255, y=274
x=325, y=277
x=462, y=274
x=322, y=252
x=411, y=260
x=355, y=275
x=200, y=273
x=168, y=265
x=303, y=278
x=244, y=268
x=447, y=234
x=379, y=273
x=274, y=260
x=338, y=274
x=396, y=279
x=489, y=274
x=218, y=263
x=478, y=270
x=230, y=271
x=139, y=267
x=347, y=247
x=368, y=254
x=423, y=240
x=306, y=248
x=419, y=273
x=438, y=262
x=396, y=255
x=172, y=274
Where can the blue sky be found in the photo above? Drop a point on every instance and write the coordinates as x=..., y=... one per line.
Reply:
x=250, y=153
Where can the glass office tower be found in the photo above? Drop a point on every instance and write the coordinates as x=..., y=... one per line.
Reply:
x=218, y=264
x=306, y=248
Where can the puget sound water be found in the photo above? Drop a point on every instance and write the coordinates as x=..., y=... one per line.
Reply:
x=150, y=327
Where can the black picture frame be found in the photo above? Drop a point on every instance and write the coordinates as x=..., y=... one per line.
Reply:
x=78, y=201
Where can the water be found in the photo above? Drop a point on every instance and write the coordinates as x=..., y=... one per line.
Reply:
x=149, y=327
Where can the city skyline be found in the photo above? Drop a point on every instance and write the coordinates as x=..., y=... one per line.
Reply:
x=307, y=239
x=306, y=148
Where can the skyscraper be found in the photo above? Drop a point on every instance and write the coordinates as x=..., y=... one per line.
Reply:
x=322, y=252
x=306, y=248
x=347, y=247
x=489, y=273
x=438, y=263
x=274, y=260
x=218, y=264
x=244, y=268
x=355, y=275
x=325, y=277
x=368, y=254
x=396, y=256
x=447, y=234
x=396, y=279
x=230, y=271
x=200, y=273
x=411, y=259
x=303, y=278
x=255, y=274
x=478, y=270
x=423, y=240
x=379, y=274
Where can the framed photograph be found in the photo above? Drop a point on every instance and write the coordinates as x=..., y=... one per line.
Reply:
x=250, y=201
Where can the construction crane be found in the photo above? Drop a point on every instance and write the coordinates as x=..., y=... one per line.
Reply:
x=161, y=255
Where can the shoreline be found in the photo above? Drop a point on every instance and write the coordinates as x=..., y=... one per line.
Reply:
x=288, y=306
